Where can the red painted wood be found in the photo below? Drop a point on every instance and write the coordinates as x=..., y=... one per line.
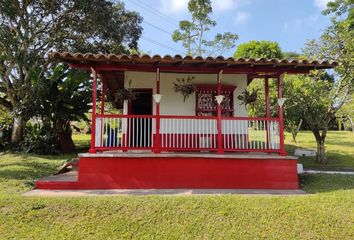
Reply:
x=157, y=113
x=274, y=71
x=267, y=104
x=186, y=117
x=174, y=172
x=281, y=123
x=93, y=122
x=57, y=185
x=220, y=140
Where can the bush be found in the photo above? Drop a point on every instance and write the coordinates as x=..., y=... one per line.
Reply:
x=5, y=128
x=39, y=139
x=5, y=134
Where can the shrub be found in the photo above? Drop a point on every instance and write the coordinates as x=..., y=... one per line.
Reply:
x=39, y=139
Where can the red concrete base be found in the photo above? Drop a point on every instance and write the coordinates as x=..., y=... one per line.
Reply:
x=182, y=172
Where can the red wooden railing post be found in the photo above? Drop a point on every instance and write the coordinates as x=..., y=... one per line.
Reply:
x=281, y=123
x=267, y=102
x=219, y=127
x=157, y=147
x=93, y=115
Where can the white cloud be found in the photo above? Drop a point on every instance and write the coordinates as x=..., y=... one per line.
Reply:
x=297, y=25
x=224, y=5
x=181, y=6
x=241, y=17
x=174, y=6
x=321, y=3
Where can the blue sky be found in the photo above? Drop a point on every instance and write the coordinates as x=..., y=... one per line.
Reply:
x=289, y=22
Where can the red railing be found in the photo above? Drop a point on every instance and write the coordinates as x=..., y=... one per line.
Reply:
x=186, y=133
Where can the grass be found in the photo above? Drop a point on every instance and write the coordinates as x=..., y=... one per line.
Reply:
x=327, y=213
x=339, y=150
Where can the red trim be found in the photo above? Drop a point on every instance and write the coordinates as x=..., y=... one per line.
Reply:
x=214, y=87
x=267, y=105
x=201, y=69
x=157, y=113
x=186, y=117
x=281, y=123
x=220, y=143
x=93, y=116
x=103, y=93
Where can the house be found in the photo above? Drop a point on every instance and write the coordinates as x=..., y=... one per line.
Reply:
x=151, y=137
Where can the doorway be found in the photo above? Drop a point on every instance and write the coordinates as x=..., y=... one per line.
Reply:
x=140, y=127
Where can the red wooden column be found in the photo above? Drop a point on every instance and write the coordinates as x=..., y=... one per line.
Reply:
x=219, y=128
x=157, y=146
x=93, y=115
x=267, y=105
x=103, y=94
x=280, y=115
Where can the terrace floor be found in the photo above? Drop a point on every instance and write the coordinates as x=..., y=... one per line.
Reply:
x=149, y=154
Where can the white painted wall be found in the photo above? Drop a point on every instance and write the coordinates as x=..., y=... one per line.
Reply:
x=172, y=102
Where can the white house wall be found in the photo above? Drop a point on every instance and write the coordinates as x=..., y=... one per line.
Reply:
x=172, y=103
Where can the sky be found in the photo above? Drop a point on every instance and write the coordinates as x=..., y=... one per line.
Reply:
x=289, y=22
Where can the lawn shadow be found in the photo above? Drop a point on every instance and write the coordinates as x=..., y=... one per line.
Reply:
x=320, y=183
x=29, y=170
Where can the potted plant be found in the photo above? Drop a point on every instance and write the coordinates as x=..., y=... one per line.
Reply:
x=184, y=86
x=248, y=97
x=125, y=94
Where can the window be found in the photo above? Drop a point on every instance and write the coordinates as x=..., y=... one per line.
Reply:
x=206, y=104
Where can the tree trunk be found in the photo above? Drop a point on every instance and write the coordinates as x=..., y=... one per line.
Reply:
x=66, y=144
x=351, y=123
x=321, y=153
x=320, y=140
x=18, y=127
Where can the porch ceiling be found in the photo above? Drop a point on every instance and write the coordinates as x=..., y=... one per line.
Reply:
x=257, y=67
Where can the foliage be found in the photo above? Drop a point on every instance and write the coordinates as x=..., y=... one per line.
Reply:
x=259, y=49
x=347, y=110
x=248, y=97
x=62, y=98
x=309, y=98
x=184, y=86
x=192, y=34
x=124, y=94
x=30, y=30
x=39, y=139
x=337, y=44
x=5, y=128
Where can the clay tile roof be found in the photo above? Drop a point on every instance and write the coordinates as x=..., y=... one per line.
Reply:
x=89, y=58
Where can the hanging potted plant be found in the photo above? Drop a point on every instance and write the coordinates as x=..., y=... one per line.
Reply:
x=248, y=97
x=125, y=94
x=184, y=86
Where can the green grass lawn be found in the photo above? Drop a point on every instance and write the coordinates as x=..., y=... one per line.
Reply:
x=339, y=149
x=327, y=213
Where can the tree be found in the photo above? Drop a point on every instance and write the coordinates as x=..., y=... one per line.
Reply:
x=62, y=98
x=259, y=49
x=347, y=111
x=29, y=30
x=192, y=33
x=336, y=44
